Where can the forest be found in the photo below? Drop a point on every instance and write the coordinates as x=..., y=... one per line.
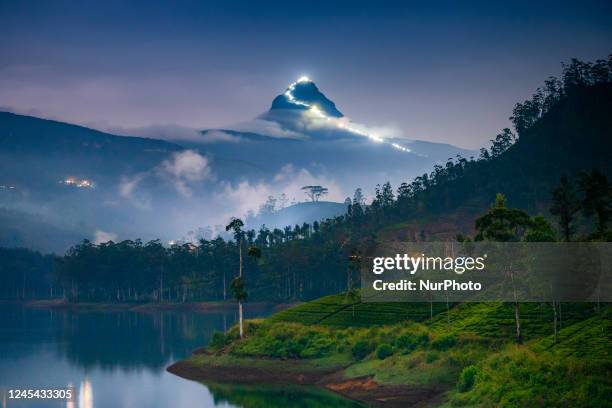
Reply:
x=553, y=170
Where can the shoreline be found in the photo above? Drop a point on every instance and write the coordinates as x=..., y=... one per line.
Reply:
x=210, y=306
x=361, y=389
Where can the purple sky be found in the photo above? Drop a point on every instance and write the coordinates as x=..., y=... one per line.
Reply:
x=446, y=73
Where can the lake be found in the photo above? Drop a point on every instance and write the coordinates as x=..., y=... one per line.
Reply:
x=118, y=359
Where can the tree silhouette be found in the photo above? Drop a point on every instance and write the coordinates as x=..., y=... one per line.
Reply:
x=315, y=192
x=565, y=205
x=597, y=198
x=504, y=224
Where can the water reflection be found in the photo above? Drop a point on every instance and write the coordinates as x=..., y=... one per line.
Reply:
x=85, y=394
x=271, y=396
x=107, y=340
x=118, y=359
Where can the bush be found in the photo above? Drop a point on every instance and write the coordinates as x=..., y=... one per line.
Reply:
x=467, y=378
x=445, y=342
x=431, y=357
x=410, y=341
x=383, y=351
x=361, y=349
x=217, y=341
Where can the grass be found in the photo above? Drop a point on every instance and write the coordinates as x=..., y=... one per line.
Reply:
x=469, y=350
x=330, y=363
x=573, y=371
x=340, y=311
x=495, y=320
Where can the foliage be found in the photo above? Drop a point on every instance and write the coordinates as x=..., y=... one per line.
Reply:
x=311, y=260
x=383, y=351
x=27, y=274
x=444, y=342
x=218, y=340
x=597, y=198
x=467, y=378
x=410, y=341
x=361, y=349
x=238, y=289
x=521, y=378
x=565, y=205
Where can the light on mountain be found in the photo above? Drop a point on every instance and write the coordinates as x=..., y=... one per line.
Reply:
x=342, y=124
x=315, y=110
x=402, y=148
x=79, y=183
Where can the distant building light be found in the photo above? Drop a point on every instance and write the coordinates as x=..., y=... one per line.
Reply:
x=79, y=183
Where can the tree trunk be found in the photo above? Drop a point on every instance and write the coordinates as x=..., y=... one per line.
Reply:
x=161, y=285
x=554, y=306
x=517, y=312
x=431, y=307
x=240, y=319
x=448, y=323
x=240, y=253
x=517, y=319
x=224, y=289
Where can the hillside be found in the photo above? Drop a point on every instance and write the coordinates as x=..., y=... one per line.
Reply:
x=298, y=214
x=37, y=153
x=574, y=135
x=411, y=358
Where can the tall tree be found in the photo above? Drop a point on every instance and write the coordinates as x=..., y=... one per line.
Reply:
x=596, y=198
x=315, y=192
x=565, y=205
x=504, y=224
x=237, y=284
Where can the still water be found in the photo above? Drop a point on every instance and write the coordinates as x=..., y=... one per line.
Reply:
x=117, y=359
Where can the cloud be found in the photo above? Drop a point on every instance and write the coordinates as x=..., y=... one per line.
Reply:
x=103, y=236
x=214, y=136
x=127, y=189
x=184, y=168
x=240, y=198
x=155, y=131
x=267, y=128
x=312, y=122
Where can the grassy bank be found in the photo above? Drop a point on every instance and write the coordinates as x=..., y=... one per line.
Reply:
x=398, y=354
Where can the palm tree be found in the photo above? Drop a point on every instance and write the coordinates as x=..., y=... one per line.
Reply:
x=237, y=284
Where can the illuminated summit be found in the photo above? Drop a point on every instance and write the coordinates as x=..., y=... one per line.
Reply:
x=304, y=97
x=303, y=94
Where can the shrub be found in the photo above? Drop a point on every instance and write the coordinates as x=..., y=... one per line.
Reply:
x=431, y=357
x=217, y=341
x=383, y=351
x=318, y=347
x=361, y=349
x=410, y=341
x=445, y=342
x=467, y=378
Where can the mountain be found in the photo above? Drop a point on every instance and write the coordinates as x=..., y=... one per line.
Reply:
x=304, y=128
x=39, y=153
x=302, y=95
x=300, y=213
x=573, y=135
x=81, y=182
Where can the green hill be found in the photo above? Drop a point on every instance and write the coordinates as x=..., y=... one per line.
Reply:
x=340, y=311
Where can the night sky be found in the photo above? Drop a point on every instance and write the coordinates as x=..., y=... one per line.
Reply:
x=448, y=72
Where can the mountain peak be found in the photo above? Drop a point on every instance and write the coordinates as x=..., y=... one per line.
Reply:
x=303, y=94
